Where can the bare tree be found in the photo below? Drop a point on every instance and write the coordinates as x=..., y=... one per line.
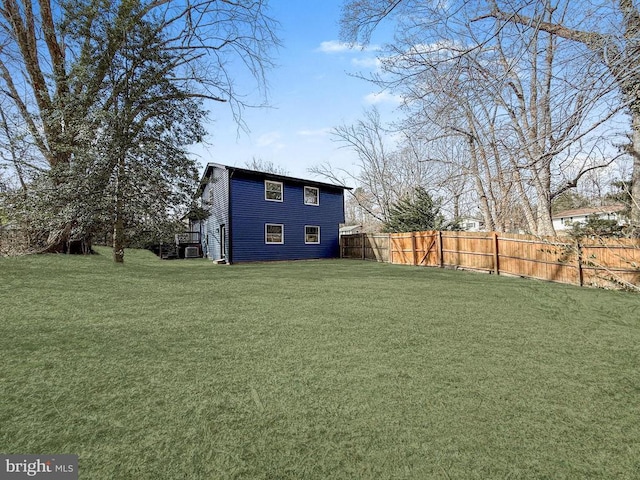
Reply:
x=357, y=211
x=268, y=166
x=616, y=48
x=56, y=59
x=530, y=109
x=56, y=56
x=368, y=139
x=387, y=170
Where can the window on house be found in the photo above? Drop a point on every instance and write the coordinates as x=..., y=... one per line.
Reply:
x=273, y=191
x=311, y=234
x=311, y=196
x=274, y=233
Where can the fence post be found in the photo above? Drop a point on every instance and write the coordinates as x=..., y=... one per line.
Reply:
x=440, y=252
x=579, y=260
x=362, y=256
x=413, y=248
x=496, y=256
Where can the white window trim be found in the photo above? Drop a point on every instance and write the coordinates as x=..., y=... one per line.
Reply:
x=266, y=226
x=281, y=191
x=305, y=197
x=305, y=235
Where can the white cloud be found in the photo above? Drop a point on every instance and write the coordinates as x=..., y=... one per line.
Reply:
x=334, y=46
x=368, y=62
x=270, y=139
x=382, y=97
x=321, y=132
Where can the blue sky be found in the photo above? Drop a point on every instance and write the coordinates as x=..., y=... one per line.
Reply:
x=310, y=92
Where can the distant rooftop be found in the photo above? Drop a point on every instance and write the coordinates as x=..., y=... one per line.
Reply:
x=585, y=212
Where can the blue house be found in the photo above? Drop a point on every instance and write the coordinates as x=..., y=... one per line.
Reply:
x=258, y=216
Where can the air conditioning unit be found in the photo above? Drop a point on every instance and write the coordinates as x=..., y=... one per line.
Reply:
x=191, y=252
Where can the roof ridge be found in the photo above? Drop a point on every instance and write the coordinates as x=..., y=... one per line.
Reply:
x=586, y=210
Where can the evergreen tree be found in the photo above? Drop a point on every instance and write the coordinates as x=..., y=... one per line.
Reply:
x=622, y=195
x=416, y=213
x=146, y=123
x=108, y=95
x=133, y=173
x=596, y=227
x=568, y=201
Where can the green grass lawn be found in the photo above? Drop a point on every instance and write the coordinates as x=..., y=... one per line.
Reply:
x=315, y=370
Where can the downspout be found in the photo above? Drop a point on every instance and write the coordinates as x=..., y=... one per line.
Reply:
x=229, y=219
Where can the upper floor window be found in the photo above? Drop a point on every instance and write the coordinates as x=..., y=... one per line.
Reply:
x=311, y=196
x=273, y=191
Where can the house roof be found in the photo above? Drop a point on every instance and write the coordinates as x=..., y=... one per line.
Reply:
x=585, y=212
x=350, y=228
x=267, y=175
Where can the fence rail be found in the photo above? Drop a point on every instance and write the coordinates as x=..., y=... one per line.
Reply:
x=610, y=263
x=365, y=246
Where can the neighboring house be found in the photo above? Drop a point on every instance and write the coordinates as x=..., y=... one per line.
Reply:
x=351, y=229
x=258, y=216
x=566, y=219
x=472, y=224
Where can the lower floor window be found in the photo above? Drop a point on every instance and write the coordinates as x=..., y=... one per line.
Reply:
x=311, y=234
x=274, y=233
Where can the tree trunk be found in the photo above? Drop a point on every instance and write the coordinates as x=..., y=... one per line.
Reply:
x=635, y=175
x=545, y=222
x=118, y=237
x=456, y=206
x=118, y=221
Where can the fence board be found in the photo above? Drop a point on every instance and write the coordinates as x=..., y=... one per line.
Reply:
x=544, y=258
x=427, y=249
x=613, y=263
x=401, y=252
x=365, y=246
x=473, y=250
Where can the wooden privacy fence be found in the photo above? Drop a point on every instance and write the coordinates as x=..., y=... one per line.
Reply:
x=365, y=246
x=594, y=262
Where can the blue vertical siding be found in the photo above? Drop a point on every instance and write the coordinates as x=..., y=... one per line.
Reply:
x=250, y=212
x=216, y=194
